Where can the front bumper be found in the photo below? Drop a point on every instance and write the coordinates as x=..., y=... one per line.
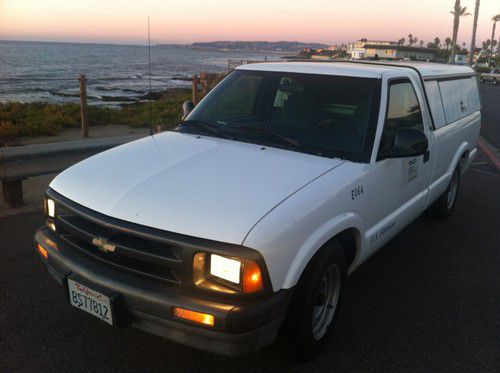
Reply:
x=241, y=325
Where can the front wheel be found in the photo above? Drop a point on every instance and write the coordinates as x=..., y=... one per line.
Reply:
x=310, y=319
x=443, y=207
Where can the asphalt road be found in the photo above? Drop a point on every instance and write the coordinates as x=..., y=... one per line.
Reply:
x=490, y=126
x=428, y=301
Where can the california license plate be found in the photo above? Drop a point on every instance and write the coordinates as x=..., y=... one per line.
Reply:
x=90, y=301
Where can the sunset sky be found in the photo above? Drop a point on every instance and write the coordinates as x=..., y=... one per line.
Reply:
x=183, y=21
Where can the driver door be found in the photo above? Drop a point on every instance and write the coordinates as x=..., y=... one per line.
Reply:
x=399, y=185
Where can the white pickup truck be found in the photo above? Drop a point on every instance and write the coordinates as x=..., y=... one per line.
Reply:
x=243, y=222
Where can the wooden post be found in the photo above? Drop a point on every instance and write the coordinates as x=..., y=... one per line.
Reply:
x=195, y=89
x=83, y=106
x=12, y=192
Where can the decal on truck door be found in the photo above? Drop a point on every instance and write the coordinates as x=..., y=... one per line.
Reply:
x=410, y=171
x=382, y=231
x=356, y=192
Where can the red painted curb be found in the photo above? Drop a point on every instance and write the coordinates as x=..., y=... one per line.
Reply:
x=485, y=147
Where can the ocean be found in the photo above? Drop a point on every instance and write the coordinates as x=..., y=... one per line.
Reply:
x=116, y=74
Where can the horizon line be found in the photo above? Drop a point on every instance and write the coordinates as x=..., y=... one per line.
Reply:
x=166, y=43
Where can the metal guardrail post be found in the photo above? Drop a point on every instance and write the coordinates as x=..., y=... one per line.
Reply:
x=195, y=89
x=83, y=106
x=12, y=191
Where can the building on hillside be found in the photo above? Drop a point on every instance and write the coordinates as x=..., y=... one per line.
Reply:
x=357, y=49
x=399, y=52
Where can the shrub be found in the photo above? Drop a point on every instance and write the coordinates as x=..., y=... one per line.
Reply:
x=30, y=119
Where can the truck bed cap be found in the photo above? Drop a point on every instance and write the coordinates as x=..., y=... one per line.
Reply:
x=364, y=69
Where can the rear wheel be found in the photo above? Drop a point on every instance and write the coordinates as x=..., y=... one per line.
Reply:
x=313, y=310
x=443, y=207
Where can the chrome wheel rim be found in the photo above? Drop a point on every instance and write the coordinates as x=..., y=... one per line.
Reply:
x=452, y=192
x=326, y=301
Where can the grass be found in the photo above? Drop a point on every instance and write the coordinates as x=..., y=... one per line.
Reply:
x=32, y=119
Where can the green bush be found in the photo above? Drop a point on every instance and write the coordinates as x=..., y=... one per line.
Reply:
x=31, y=119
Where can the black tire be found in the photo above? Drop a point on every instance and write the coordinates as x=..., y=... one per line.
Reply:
x=304, y=338
x=444, y=205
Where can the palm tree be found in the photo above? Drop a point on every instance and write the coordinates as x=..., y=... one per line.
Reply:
x=410, y=39
x=437, y=42
x=457, y=12
x=486, y=44
x=474, y=29
x=447, y=43
x=495, y=19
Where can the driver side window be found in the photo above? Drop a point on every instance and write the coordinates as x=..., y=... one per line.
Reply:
x=403, y=111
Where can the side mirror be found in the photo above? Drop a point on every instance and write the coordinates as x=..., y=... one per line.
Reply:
x=187, y=107
x=408, y=142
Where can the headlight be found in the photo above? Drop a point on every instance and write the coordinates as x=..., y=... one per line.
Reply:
x=228, y=275
x=50, y=208
x=225, y=268
x=50, y=212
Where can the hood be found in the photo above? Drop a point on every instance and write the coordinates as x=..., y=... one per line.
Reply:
x=199, y=186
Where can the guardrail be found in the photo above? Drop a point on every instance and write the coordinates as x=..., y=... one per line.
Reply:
x=22, y=162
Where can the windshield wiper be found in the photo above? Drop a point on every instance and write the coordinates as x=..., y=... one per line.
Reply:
x=276, y=138
x=199, y=124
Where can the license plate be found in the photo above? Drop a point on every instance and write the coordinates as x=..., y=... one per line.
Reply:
x=91, y=301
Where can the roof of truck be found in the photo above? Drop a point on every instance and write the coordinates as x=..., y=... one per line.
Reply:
x=364, y=69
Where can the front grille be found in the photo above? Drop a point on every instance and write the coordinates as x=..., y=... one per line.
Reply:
x=141, y=253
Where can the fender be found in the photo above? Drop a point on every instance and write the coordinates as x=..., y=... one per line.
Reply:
x=320, y=237
x=440, y=185
x=464, y=147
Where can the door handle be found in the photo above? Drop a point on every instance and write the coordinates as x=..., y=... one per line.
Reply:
x=427, y=155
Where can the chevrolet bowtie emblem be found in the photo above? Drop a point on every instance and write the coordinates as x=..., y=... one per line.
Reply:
x=103, y=244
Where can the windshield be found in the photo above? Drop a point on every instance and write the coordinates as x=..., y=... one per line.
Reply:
x=331, y=116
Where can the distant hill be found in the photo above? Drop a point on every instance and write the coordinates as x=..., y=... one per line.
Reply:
x=257, y=46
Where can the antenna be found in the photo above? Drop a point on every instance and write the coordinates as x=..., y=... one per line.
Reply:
x=149, y=94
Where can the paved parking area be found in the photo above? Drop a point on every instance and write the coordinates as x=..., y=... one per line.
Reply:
x=490, y=100
x=428, y=301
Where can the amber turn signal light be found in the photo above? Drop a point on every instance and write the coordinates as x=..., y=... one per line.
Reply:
x=252, y=277
x=198, y=317
x=43, y=251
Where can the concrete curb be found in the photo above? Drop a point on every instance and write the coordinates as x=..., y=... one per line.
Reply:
x=487, y=149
